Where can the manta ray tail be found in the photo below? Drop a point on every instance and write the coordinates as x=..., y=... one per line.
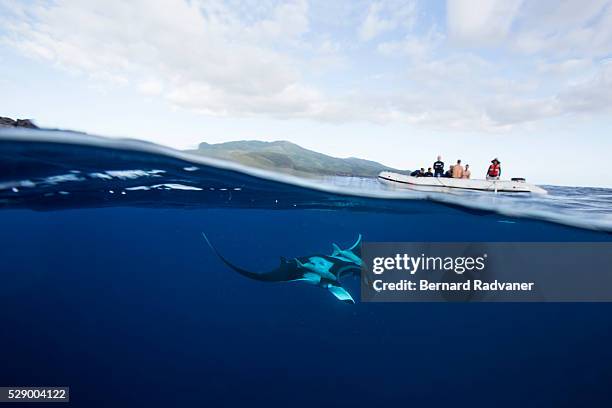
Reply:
x=264, y=277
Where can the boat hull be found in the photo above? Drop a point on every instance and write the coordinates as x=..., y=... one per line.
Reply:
x=449, y=184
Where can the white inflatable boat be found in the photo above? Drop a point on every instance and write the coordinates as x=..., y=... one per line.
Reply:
x=442, y=184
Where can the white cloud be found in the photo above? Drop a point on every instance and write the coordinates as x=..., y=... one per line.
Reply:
x=151, y=87
x=480, y=22
x=373, y=24
x=565, y=67
x=207, y=57
x=559, y=28
x=591, y=95
x=262, y=58
x=386, y=16
x=413, y=46
x=568, y=28
x=454, y=87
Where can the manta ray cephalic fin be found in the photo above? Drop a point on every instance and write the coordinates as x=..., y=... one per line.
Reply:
x=341, y=294
x=355, y=248
x=356, y=244
x=336, y=249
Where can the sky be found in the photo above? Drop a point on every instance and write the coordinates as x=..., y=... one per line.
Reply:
x=399, y=82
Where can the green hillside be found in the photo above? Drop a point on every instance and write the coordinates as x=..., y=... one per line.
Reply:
x=290, y=158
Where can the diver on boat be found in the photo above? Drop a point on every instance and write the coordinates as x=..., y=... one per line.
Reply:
x=438, y=167
x=494, y=171
x=429, y=173
x=457, y=171
x=467, y=173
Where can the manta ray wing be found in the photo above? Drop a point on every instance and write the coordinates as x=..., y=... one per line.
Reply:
x=276, y=275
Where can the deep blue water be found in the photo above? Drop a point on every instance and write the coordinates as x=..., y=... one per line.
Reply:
x=117, y=295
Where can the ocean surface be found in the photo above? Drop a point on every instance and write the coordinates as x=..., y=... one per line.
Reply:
x=108, y=287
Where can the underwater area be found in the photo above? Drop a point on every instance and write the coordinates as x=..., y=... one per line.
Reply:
x=108, y=287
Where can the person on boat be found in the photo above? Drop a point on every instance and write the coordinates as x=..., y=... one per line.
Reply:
x=457, y=171
x=467, y=173
x=418, y=173
x=429, y=173
x=449, y=173
x=494, y=171
x=438, y=167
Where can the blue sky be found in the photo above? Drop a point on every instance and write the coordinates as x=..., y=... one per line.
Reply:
x=394, y=81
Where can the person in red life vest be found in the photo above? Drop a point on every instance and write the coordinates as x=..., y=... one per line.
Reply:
x=494, y=170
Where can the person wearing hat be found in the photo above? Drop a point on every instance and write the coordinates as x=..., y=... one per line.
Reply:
x=494, y=170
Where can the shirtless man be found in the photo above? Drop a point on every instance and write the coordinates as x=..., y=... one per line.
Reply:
x=458, y=170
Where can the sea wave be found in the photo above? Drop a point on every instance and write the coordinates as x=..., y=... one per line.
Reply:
x=44, y=169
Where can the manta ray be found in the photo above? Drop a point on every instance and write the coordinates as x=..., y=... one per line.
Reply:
x=324, y=271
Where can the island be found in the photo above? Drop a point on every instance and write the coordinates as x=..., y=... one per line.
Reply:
x=287, y=157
